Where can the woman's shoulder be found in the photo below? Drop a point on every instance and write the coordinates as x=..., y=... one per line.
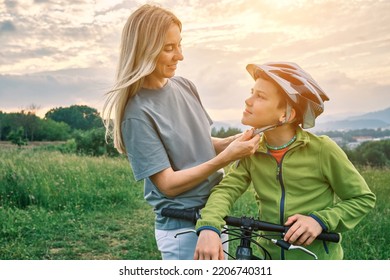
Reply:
x=179, y=79
x=183, y=81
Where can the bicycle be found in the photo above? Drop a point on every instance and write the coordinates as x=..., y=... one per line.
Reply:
x=244, y=229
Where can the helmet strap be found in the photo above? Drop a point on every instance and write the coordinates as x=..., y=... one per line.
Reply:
x=280, y=123
x=288, y=112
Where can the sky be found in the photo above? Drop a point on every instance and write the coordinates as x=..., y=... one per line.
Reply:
x=61, y=53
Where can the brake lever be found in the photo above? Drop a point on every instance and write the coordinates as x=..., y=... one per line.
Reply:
x=185, y=232
x=287, y=246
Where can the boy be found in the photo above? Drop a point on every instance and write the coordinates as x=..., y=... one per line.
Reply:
x=296, y=175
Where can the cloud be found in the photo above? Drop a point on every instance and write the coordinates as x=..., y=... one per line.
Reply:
x=53, y=54
x=10, y=4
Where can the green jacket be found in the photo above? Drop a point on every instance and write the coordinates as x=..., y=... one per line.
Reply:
x=314, y=178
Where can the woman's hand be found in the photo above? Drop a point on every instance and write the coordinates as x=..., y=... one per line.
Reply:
x=244, y=145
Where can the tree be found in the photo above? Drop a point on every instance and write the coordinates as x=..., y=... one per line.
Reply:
x=374, y=157
x=76, y=116
x=50, y=130
x=386, y=149
x=11, y=122
x=2, y=123
x=222, y=133
x=31, y=121
x=374, y=153
x=27, y=120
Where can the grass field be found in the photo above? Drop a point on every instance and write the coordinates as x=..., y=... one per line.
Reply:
x=68, y=207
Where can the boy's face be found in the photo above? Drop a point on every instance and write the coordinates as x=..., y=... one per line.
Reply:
x=262, y=106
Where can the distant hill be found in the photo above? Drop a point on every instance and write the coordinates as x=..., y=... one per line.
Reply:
x=372, y=120
x=383, y=115
x=351, y=125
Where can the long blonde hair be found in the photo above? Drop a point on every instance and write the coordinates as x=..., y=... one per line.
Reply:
x=142, y=40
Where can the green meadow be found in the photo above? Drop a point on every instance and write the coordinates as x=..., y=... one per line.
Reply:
x=56, y=206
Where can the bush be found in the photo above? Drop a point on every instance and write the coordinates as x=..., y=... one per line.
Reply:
x=92, y=142
x=373, y=153
x=17, y=137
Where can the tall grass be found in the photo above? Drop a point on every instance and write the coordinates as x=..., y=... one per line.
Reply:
x=55, y=181
x=56, y=206
x=370, y=239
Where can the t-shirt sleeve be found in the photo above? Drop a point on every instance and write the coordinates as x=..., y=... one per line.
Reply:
x=144, y=148
x=196, y=94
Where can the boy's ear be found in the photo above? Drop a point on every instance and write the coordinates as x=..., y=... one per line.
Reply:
x=292, y=114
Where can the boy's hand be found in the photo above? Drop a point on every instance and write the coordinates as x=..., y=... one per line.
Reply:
x=209, y=246
x=303, y=230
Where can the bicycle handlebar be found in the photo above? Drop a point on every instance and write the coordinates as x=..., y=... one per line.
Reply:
x=266, y=226
x=193, y=215
x=185, y=214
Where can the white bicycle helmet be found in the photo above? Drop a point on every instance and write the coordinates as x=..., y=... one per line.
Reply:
x=302, y=90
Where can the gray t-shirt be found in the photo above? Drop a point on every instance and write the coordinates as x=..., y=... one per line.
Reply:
x=164, y=128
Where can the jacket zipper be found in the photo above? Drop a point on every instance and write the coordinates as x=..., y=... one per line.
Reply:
x=282, y=198
x=279, y=177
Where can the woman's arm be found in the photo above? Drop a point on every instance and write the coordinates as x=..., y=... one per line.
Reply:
x=221, y=144
x=173, y=183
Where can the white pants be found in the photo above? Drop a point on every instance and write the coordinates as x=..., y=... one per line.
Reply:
x=183, y=246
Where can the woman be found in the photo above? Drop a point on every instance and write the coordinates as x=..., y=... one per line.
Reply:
x=160, y=123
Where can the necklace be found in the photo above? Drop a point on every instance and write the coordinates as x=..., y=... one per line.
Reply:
x=276, y=148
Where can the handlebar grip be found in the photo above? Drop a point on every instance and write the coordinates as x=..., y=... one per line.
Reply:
x=325, y=236
x=260, y=225
x=185, y=214
x=329, y=236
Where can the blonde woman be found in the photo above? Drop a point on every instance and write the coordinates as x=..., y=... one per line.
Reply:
x=159, y=122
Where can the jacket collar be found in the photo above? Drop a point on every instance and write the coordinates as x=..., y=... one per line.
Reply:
x=302, y=139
